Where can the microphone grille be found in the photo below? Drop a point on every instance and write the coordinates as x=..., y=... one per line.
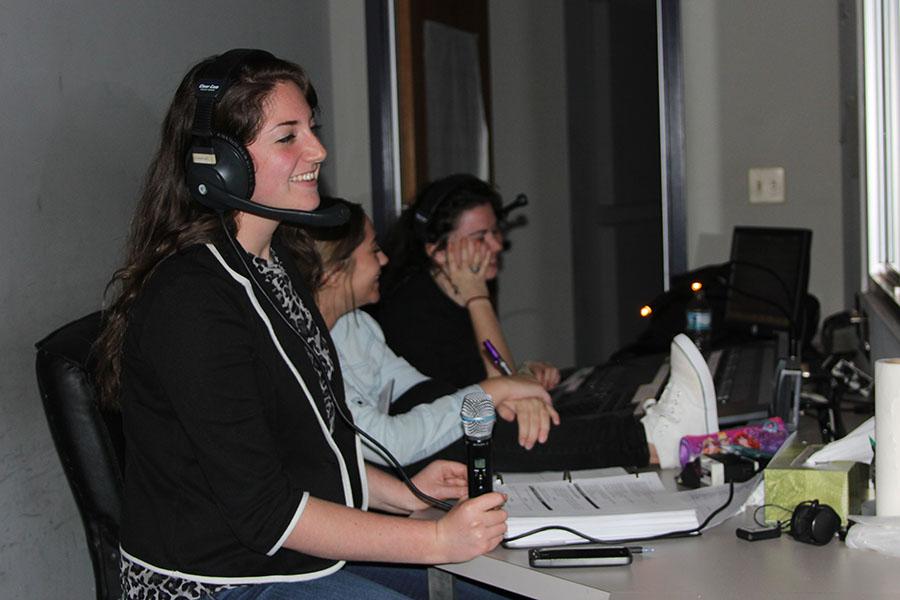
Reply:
x=477, y=415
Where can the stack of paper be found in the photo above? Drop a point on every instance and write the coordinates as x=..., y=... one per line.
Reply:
x=608, y=508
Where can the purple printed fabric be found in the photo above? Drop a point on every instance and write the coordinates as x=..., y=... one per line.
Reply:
x=764, y=439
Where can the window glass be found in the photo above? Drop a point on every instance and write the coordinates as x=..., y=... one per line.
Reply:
x=881, y=55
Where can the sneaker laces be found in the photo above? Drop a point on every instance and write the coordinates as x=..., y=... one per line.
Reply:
x=667, y=407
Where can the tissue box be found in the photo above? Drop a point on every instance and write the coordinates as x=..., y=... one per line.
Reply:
x=841, y=484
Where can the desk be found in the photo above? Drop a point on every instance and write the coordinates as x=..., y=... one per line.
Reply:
x=714, y=565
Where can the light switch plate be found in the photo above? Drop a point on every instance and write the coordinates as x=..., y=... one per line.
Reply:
x=766, y=185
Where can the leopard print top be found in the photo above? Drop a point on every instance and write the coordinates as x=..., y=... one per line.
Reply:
x=316, y=348
x=141, y=583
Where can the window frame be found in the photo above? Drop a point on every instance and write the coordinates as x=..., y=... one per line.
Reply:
x=881, y=123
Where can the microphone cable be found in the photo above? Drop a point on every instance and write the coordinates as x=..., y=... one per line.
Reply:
x=385, y=453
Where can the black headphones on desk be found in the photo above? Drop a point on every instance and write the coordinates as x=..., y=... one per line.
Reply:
x=811, y=523
x=220, y=171
x=814, y=523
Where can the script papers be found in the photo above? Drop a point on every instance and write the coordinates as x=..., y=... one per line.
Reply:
x=610, y=505
x=609, y=508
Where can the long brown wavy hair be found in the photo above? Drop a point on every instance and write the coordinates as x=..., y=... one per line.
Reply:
x=167, y=220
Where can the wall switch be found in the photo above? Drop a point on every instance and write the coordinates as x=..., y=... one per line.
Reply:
x=766, y=185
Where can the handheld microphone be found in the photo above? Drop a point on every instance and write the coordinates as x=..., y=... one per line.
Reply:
x=478, y=417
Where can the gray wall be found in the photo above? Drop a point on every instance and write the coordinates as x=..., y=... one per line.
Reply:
x=762, y=89
x=531, y=156
x=84, y=87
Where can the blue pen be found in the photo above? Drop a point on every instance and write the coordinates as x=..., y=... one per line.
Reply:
x=497, y=359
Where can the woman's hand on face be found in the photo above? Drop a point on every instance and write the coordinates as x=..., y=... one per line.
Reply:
x=472, y=528
x=545, y=373
x=441, y=479
x=466, y=265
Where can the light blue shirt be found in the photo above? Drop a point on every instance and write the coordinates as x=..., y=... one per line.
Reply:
x=374, y=377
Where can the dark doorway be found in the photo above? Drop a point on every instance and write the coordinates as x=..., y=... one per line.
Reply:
x=615, y=169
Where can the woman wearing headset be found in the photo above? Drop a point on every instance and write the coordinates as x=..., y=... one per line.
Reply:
x=436, y=308
x=436, y=312
x=243, y=479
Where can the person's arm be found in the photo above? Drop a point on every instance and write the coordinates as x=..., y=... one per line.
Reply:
x=466, y=531
x=545, y=373
x=409, y=436
x=463, y=279
x=521, y=398
x=331, y=530
x=431, y=426
x=441, y=479
x=369, y=368
x=487, y=327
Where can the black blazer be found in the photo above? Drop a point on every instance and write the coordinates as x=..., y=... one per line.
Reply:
x=225, y=424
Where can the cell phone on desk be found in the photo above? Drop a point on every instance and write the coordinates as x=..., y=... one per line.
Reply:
x=579, y=556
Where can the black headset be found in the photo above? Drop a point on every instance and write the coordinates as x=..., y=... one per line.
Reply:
x=433, y=196
x=220, y=172
x=814, y=523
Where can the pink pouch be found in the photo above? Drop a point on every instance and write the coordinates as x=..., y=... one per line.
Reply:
x=765, y=437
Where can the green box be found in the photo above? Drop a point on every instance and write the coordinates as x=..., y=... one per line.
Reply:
x=840, y=484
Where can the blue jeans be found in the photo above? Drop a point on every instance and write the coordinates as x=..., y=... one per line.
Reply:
x=412, y=581
x=370, y=581
x=338, y=586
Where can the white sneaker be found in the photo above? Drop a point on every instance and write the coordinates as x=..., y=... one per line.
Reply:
x=687, y=405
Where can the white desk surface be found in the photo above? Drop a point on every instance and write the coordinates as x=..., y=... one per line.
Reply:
x=715, y=565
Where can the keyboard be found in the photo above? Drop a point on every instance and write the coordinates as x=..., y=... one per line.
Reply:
x=606, y=388
x=743, y=377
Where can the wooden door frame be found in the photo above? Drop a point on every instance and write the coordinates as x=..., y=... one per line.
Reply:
x=393, y=167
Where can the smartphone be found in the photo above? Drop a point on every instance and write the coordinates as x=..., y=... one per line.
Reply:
x=587, y=555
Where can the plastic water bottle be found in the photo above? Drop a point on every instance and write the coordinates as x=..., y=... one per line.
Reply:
x=699, y=319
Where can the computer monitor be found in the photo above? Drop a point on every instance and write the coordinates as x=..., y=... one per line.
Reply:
x=769, y=278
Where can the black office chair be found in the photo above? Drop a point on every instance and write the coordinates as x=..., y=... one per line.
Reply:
x=89, y=441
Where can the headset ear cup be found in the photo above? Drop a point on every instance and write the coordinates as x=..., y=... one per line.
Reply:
x=801, y=520
x=231, y=175
x=234, y=166
x=825, y=524
x=814, y=523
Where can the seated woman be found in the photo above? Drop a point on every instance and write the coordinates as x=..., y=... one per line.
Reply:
x=343, y=267
x=244, y=477
x=344, y=272
x=436, y=309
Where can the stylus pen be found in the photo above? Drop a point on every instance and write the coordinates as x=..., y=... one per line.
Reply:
x=496, y=358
